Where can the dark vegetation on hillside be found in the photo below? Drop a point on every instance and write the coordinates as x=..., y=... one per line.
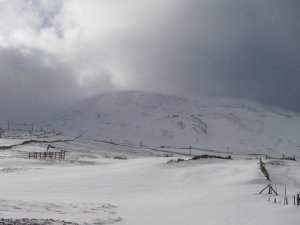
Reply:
x=198, y=157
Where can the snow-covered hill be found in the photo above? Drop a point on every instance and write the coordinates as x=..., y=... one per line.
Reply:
x=153, y=119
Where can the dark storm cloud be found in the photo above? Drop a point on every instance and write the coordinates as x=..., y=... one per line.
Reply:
x=237, y=48
x=33, y=84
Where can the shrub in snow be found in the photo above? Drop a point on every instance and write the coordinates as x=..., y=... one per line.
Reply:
x=205, y=156
x=176, y=160
x=120, y=157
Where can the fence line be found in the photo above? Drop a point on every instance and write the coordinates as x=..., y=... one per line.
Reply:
x=47, y=155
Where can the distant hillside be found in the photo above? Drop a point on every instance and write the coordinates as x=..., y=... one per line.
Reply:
x=165, y=120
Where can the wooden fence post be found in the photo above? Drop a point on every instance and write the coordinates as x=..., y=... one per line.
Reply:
x=45, y=155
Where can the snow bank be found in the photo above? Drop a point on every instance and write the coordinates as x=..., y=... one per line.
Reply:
x=143, y=191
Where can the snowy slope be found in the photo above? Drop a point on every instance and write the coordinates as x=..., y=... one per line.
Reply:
x=91, y=186
x=10, y=142
x=163, y=120
x=96, y=190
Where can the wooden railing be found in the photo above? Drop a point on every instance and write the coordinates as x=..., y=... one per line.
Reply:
x=47, y=155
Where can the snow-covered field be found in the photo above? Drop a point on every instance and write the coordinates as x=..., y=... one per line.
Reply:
x=91, y=187
x=10, y=142
x=116, y=172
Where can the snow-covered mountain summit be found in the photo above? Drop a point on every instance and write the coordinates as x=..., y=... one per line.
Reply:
x=165, y=120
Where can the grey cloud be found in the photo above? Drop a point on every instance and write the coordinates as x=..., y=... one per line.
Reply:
x=238, y=48
x=33, y=84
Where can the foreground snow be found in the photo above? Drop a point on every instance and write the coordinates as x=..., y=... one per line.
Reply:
x=10, y=142
x=91, y=187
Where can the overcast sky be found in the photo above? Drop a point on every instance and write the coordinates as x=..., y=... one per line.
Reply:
x=55, y=52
